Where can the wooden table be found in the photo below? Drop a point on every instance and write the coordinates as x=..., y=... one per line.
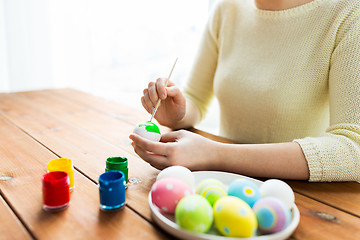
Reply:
x=38, y=126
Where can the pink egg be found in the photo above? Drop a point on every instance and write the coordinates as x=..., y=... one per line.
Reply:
x=167, y=192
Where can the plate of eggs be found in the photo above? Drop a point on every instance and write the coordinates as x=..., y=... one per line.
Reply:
x=222, y=206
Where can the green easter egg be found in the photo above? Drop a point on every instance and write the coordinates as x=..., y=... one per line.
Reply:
x=150, y=127
x=148, y=130
x=213, y=193
x=194, y=213
x=211, y=189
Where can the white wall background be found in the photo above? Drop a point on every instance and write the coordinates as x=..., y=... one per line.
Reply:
x=110, y=48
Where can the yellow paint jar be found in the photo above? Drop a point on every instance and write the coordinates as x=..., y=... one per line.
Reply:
x=63, y=165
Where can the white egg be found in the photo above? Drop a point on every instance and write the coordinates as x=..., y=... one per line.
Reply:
x=279, y=189
x=178, y=172
x=148, y=130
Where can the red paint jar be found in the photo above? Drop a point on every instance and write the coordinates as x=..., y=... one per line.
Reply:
x=55, y=188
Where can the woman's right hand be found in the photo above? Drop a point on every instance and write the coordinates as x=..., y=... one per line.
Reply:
x=173, y=104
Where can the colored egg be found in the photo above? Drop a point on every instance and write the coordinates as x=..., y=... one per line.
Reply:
x=167, y=192
x=211, y=189
x=178, y=172
x=233, y=217
x=194, y=214
x=245, y=190
x=279, y=189
x=148, y=130
x=272, y=215
x=209, y=182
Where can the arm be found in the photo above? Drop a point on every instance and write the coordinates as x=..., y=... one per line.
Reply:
x=279, y=160
x=335, y=155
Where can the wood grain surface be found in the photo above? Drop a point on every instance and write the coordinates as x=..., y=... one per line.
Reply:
x=10, y=226
x=25, y=161
x=38, y=126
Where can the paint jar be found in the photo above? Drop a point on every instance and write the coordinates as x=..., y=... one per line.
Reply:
x=112, y=190
x=119, y=164
x=64, y=165
x=56, y=192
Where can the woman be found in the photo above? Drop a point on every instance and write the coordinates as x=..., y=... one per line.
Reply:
x=287, y=78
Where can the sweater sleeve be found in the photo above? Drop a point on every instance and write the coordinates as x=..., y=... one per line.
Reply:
x=199, y=87
x=335, y=155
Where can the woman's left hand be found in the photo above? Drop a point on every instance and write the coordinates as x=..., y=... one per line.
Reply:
x=177, y=148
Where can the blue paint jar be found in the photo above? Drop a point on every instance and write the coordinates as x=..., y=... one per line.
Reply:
x=112, y=190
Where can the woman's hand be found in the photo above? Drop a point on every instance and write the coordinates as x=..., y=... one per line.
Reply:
x=177, y=148
x=173, y=105
x=272, y=160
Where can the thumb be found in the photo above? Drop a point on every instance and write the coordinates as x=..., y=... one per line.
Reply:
x=172, y=91
x=175, y=93
x=170, y=136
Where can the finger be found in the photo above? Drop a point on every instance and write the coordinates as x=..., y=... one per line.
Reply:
x=171, y=136
x=155, y=160
x=147, y=101
x=147, y=108
x=153, y=94
x=150, y=146
x=170, y=83
x=144, y=102
x=172, y=91
x=176, y=96
x=160, y=88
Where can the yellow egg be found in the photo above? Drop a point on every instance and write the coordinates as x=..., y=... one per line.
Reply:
x=234, y=217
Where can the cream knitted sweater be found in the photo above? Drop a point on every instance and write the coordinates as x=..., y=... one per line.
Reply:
x=291, y=75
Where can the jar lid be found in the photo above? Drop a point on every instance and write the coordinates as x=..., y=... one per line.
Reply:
x=55, y=179
x=62, y=164
x=112, y=179
x=116, y=163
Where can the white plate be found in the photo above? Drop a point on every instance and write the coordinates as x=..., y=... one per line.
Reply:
x=167, y=221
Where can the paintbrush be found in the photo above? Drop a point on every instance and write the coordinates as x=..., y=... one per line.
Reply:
x=159, y=100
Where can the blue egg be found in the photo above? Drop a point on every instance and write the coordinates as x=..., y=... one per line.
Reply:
x=245, y=190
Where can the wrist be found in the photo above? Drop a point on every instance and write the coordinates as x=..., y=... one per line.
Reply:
x=182, y=124
x=218, y=156
x=230, y=157
x=190, y=117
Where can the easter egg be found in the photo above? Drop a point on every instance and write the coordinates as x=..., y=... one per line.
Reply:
x=211, y=189
x=194, y=213
x=167, y=192
x=245, y=190
x=279, y=189
x=272, y=215
x=178, y=172
x=148, y=130
x=234, y=218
